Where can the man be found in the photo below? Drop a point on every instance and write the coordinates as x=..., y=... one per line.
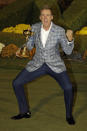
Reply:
x=47, y=37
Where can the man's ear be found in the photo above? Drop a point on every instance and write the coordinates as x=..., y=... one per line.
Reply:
x=52, y=17
x=40, y=17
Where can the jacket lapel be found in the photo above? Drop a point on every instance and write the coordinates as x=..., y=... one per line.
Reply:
x=39, y=35
x=52, y=30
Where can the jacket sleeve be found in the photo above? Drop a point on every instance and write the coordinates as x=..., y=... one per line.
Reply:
x=31, y=40
x=65, y=44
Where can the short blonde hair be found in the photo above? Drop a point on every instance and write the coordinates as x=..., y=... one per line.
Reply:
x=46, y=7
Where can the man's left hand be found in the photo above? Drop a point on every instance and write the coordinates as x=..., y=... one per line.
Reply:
x=69, y=35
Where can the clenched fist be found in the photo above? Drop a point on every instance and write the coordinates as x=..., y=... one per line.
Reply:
x=69, y=35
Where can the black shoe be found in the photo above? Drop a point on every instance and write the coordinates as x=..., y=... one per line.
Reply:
x=20, y=116
x=70, y=120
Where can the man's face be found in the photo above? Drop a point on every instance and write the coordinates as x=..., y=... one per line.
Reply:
x=46, y=17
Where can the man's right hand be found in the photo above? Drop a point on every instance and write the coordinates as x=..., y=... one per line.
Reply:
x=18, y=52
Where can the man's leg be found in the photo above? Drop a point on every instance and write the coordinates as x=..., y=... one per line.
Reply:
x=66, y=85
x=18, y=85
x=64, y=81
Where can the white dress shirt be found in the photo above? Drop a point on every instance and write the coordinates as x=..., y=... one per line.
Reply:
x=44, y=34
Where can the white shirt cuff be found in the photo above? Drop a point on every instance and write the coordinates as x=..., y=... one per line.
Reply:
x=69, y=42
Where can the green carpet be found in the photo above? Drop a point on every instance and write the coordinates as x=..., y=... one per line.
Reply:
x=46, y=102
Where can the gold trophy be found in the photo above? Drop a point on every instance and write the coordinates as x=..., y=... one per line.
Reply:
x=23, y=52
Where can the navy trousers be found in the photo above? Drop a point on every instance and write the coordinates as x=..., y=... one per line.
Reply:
x=25, y=76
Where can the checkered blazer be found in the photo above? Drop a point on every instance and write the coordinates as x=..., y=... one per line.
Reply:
x=50, y=53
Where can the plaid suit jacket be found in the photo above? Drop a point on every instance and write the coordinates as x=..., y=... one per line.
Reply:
x=50, y=53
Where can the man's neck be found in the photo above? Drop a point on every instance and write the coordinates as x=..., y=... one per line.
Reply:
x=47, y=27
